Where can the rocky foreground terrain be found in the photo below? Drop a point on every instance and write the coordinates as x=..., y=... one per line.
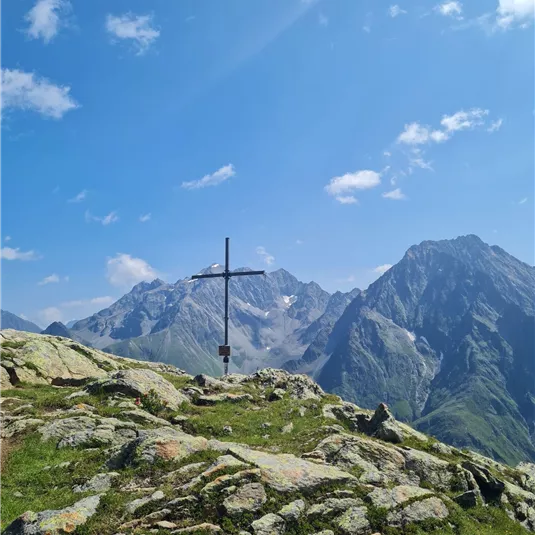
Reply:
x=98, y=444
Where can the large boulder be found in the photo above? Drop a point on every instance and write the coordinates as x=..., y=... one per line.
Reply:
x=394, y=497
x=287, y=473
x=38, y=359
x=151, y=444
x=249, y=498
x=54, y=522
x=296, y=385
x=138, y=382
x=430, y=508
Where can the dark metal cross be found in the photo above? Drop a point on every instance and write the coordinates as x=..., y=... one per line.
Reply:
x=224, y=351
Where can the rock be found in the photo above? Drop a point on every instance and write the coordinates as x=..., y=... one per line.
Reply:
x=384, y=426
x=54, y=522
x=296, y=385
x=391, y=498
x=221, y=398
x=324, y=532
x=144, y=417
x=134, y=505
x=18, y=494
x=156, y=516
x=183, y=506
x=17, y=427
x=443, y=449
x=5, y=383
x=276, y=395
x=163, y=443
x=217, y=485
x=467, y=499
x=185, y=471
x=137, y=382
x=490, y=486
x=270, y=524
x=288, y=428
x=287, y=473
x=291, y=512
x=88, y=431
x=201, y=529
x=353, y=521
x=98, y=483
x=332, y=506
x=227, y=430
x=164, y=524
x=212, y=383
x=418, y=511
x=527, y=475
x=249, y=498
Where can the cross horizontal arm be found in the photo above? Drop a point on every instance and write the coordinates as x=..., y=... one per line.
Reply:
x=208, y=276
x=240, y=273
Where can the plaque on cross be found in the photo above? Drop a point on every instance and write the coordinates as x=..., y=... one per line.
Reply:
x=224, y=350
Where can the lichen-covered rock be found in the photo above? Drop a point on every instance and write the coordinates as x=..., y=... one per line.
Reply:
x=249, y=498
x=332, y=506
x=200, y=529
x=270, y=524
x=98, y=483
x=213, y=399
x=391, y=498
x=222, y=482
x=54, y=522
x=5, y=382
x=467, y=499
x=138, y=382
x=491, y=487
x=353, y=522
x=38, y=359
x=527, y=476
x=143, y=417
x=16, y=427
x=291, y=512
x=297, y=386
x=287, y=473
x=162, y=443
x=418, y=511
x=134, y=505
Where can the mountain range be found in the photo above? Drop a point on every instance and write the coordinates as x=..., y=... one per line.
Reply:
x=9, y=320
x=445, y=337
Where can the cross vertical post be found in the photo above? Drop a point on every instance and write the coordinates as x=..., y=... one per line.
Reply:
x=224, y=350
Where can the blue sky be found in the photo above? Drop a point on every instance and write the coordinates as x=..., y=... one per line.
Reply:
x=325, y=137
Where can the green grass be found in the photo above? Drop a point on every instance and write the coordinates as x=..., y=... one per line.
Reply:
x=43, y=489
x=12, y=344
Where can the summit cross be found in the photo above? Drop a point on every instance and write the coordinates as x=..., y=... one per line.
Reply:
x=224, y=350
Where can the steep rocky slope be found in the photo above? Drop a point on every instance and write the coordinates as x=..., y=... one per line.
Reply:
x=182, y=323
x=99, y=444
x=446, y=337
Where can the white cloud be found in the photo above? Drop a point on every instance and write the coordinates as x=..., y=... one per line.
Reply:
x=125, y=270
x=387, y=154
x=346, y=199
x=495, y=126
x=80, y=197
x=382, y=269
x=510, y=12
x=26, y=91
x=137, y=28
x=50, y=315
x=266, y=257
x=144, y=218
x=395, y=11
x=44, y=18
x=7, y=253
x=323, y=20
x=414, y=134
x=49, y=280
x=396, y=195
x=106, y=220
x=450, y=9
x=341, y=187
x=7, y=238
x=222, y=174
x=522, y=201
x=104, y=301
x=464, y=120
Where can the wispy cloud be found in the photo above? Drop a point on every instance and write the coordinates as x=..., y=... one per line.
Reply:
x=522, y=201
x=266, y=257
x=395, y=194
x=51, y=279
x=69, y=310
x=137, y=29
x=144, y=218
x=495, y=125
x=26, y=91
x=7, y=253
x=342, y=187
x=394, y=11
x=511, y=13
x=299, y=242
x=216, y=178
x=44, y=19
x=7, y=238
x=124, y=270
x=450, y=9
x=106, y=220
x=323, y=20
x=101, y=301
x=382, y=268
x=80, y=197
